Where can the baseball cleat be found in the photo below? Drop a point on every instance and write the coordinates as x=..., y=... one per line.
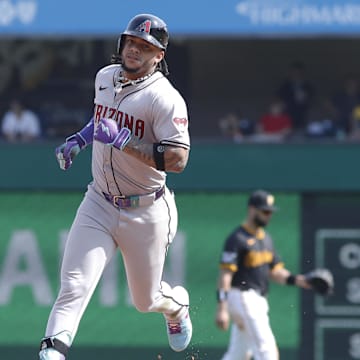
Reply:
x=179, y=333
x=50, y=354
x=55, y=347
x=180, y=330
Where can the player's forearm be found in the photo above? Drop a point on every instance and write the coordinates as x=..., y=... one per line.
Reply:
x=280, y=275
x=224, y=280
x=285, y=277
x=223, y=287
x=175, y=158
x=86, y=135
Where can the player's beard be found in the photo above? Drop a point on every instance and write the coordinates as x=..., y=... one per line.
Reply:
x=145, y=68
x=259, y=221
x=130, y=70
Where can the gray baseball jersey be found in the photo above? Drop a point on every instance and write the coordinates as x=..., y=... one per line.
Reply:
x=155, y=112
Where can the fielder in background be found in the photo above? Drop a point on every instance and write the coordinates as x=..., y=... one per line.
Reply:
x=138, y=133
x=248, y=261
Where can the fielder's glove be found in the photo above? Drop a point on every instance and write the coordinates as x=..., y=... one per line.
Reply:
x=107, y=132
x=321, y=281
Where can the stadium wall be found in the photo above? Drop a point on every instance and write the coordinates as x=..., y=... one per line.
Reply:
x=34, y=226
x=310, y=166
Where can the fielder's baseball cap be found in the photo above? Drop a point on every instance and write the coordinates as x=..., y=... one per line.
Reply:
x=262, y=200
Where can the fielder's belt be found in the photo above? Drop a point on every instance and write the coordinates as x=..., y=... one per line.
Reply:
x=134, y=201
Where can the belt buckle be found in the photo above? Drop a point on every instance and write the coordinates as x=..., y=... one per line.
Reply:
x=116, y=198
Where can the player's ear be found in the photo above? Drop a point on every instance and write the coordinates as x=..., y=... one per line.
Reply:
x=160, y=55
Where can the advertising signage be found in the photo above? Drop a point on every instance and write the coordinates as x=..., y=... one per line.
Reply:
x=186, y=18
x=34, y=228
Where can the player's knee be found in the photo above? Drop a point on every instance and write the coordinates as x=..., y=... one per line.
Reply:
x=143, y=306
x=148, y=305
x=72, y=291
x=268, y=352
x=161, y=301
x=142, y=309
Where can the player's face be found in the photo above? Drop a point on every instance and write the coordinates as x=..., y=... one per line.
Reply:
x=139, y=57
x=262, y=217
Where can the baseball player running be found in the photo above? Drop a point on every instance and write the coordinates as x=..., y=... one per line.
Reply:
x=138, y=133
x=247, y=262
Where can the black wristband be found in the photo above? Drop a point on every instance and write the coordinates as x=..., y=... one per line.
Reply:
x=291, y=279
x=221, y=295
x=158, y=151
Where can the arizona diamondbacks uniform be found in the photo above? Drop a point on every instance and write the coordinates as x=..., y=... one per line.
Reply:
x=145, y=224
x=160, y=116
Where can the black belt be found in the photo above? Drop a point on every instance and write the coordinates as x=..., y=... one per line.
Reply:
x=134, y=201
x=246, y=288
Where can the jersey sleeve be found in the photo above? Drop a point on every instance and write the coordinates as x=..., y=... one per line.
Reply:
x=276, y=260
x=104, y=84
x=171, y=120
x=229, y=255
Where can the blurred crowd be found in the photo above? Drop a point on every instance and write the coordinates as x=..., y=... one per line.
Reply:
x=46, y=88
x=20, y=124
x=296, y=111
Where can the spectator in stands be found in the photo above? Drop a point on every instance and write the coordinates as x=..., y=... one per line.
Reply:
x=344, y=102
x=276, y=123
x=236, y=127
x=20, y=124
x=321, y=123
x=297, y=94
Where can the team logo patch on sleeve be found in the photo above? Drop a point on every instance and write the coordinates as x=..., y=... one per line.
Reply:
x=181, y=123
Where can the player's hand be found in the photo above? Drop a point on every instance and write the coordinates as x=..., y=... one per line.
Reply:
x=66, y=152
x=222, y=318
x=107, y=132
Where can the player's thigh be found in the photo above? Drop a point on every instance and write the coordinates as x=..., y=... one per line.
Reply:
x=144, y=244
x=252, y=309
x=89, y=245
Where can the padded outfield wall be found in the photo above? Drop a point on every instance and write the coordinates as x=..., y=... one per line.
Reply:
x=38, y=202
x=33, y=229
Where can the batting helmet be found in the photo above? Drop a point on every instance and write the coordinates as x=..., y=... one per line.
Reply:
x=149, y=28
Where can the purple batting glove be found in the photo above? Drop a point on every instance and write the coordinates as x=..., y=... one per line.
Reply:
x=66, y=152
x=107, y=132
